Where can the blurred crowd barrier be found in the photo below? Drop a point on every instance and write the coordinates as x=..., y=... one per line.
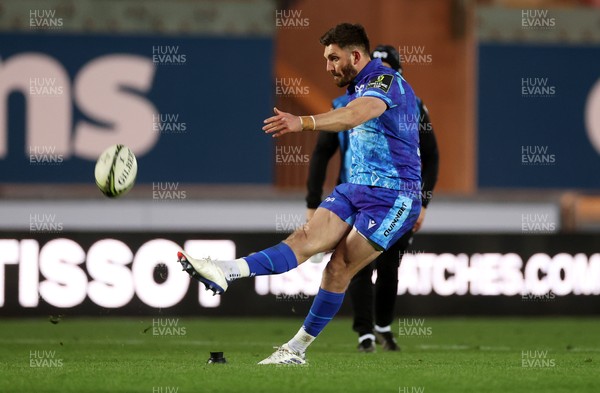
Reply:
x=511, y=87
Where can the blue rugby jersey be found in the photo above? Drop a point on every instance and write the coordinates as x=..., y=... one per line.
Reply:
x=385, y=150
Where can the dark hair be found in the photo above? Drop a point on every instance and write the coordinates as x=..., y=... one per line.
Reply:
x=388, y=54
x=345, y=35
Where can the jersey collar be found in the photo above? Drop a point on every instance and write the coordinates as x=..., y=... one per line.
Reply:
x=370, y=67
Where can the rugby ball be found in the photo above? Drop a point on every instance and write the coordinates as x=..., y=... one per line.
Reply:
x=115, y=171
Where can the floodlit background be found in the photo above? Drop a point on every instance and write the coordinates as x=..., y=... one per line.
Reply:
x=513, y=92
x=512, y=88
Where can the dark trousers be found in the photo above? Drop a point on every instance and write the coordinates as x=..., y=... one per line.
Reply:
x=382, y=295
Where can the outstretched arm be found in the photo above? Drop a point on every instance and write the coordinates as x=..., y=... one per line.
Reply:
x=356, y=112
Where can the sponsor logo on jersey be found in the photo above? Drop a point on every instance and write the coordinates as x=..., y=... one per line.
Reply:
x=381, y=82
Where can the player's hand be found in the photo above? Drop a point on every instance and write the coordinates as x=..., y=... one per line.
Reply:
x=309, y=214
x=282, y=123
x=419, y=220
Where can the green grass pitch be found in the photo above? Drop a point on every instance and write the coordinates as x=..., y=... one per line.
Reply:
x=442, y=355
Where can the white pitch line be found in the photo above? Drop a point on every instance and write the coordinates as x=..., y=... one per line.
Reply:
x=496, y=348
x=455, y=347
x=29, y=341
x=445, y=347
x=583, y=349
x=170, y=340
x=488, y=348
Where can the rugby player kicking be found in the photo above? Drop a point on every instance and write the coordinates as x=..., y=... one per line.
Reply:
x=361, y=218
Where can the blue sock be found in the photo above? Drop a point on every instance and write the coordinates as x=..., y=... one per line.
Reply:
x=274, y=260
x=324, y=308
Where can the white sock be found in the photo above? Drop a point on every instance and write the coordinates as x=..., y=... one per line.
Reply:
x=383, y=329
x=243, y=267
x=234, y=269
x=366, y=336
x=300, y=341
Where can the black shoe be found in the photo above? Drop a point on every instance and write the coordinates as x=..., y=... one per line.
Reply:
x=387, y=341
x=366, y=345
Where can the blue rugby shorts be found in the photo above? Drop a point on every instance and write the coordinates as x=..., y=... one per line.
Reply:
x=381, y=215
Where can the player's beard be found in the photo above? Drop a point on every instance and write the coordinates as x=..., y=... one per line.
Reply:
x=347, y=75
